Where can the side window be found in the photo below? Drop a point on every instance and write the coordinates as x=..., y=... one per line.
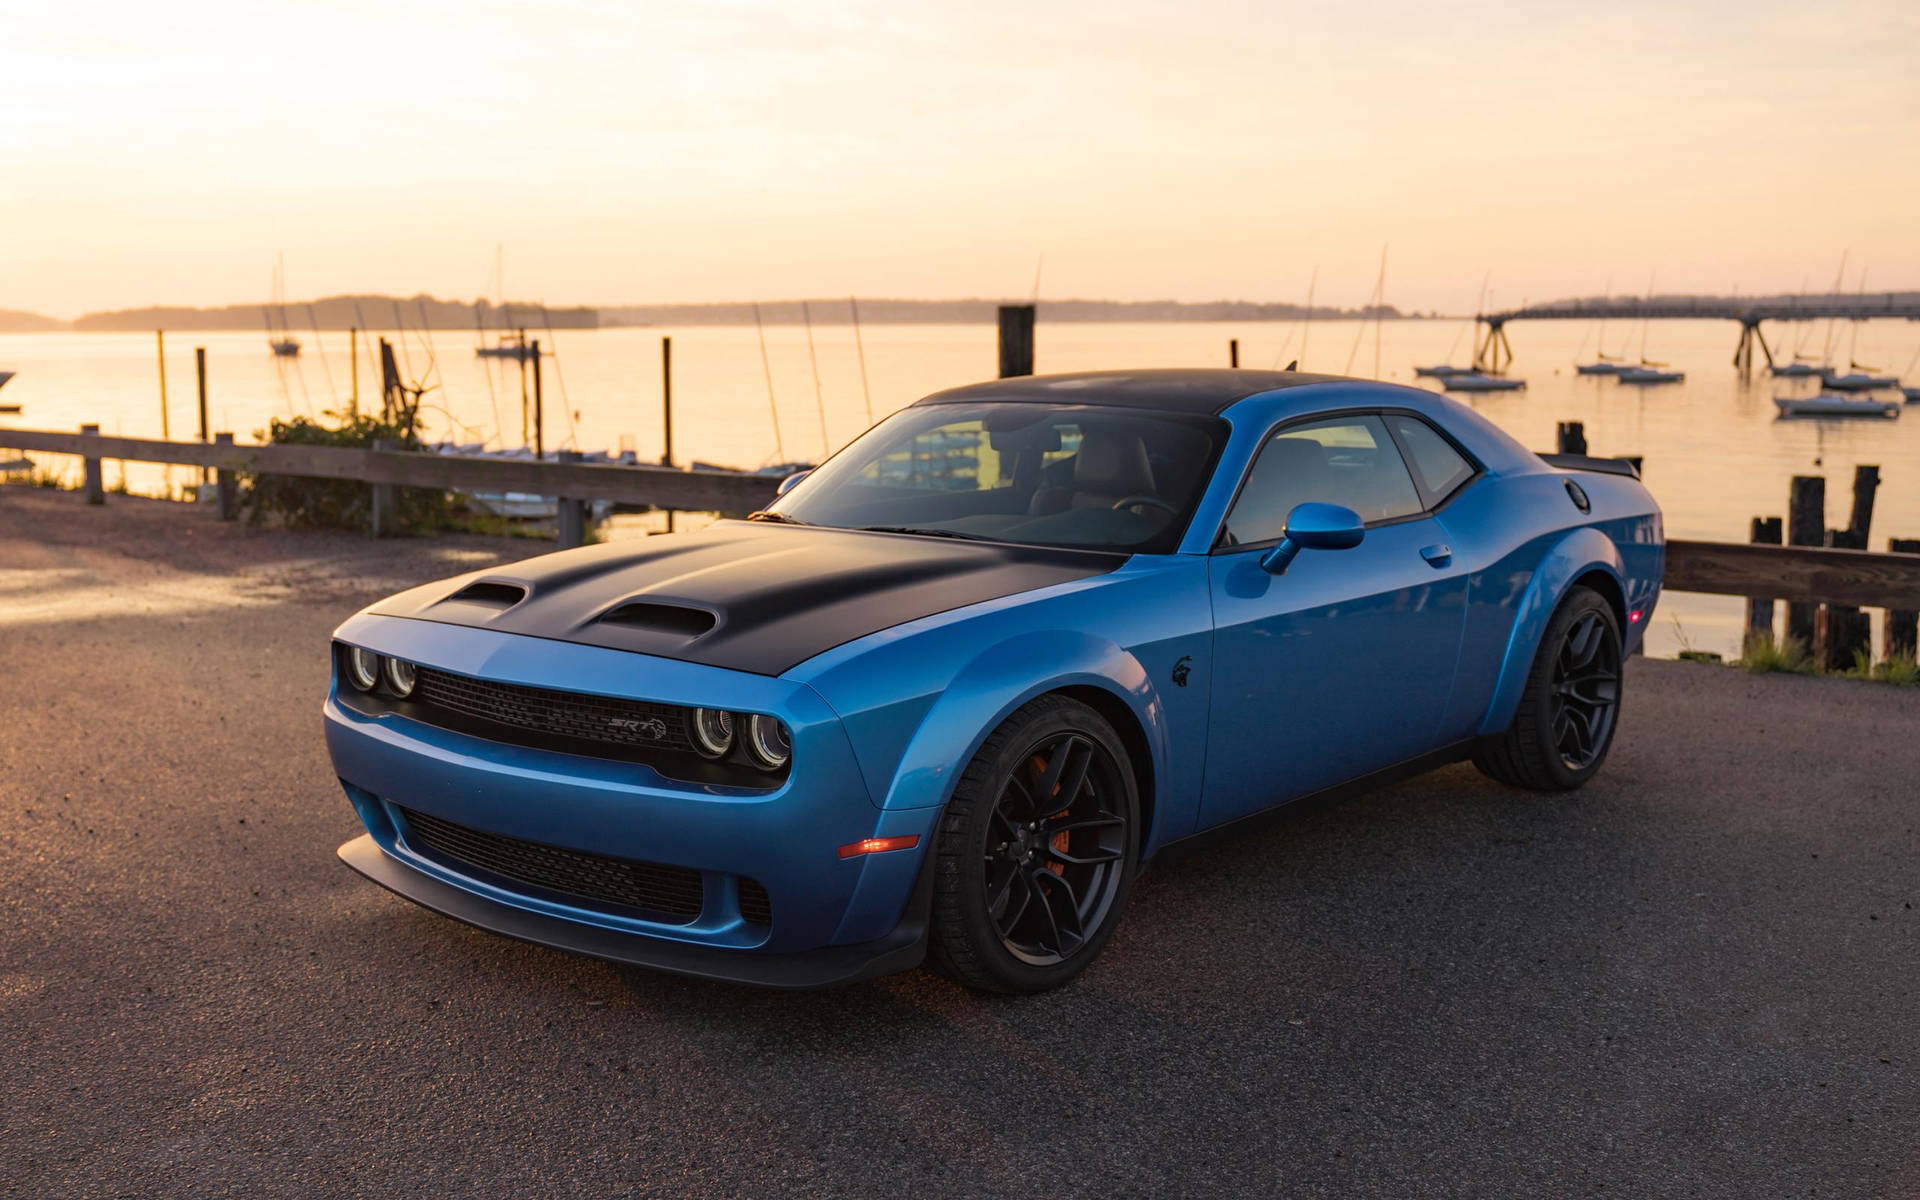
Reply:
x=1438, y=465
x=1345, y=460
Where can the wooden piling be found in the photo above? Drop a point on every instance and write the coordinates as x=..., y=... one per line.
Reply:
x=160, y=343
x=539, y=407
x=96, y=483
x=1765, y=532
x=226, y=483
x=1806, y=526
x=666, y=410
x=1233, y=353
x=200, y=382
x=353, y=361
x=1016, y=339
x=1903, y=625
x=570, y=516
x=1848, y=633
x=1571, y=437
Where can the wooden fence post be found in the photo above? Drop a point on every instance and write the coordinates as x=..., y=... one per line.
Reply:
x=385, y=497
x=1571, y=437
x=1806, y=526
x=96, y=485
x=1765, y=532
x=1903, y=625
x=1016, y=340
x=226, y=483
x=570, y=516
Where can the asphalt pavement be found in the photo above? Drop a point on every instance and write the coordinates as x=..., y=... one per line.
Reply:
x=1694, y=978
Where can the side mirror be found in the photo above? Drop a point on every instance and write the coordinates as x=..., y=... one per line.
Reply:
x=1314, y=527
x=788, y=484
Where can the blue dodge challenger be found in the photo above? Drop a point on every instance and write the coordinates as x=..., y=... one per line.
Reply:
x=951, y=692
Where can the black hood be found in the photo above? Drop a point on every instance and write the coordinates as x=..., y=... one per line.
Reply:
x=757, y=597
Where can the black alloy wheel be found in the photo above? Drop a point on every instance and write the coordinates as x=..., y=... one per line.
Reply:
x=1586, y=691
x=1570, y=707
x=1036, y=850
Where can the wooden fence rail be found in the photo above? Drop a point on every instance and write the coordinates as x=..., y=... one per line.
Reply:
x=1800, y=574
x=662, y=487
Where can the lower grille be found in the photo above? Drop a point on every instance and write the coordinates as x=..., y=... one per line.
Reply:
x=675, y=894
x=755, y=907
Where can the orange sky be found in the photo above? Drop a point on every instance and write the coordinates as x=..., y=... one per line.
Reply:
x=738, y=149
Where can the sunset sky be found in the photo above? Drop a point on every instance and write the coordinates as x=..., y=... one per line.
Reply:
x=742, y=149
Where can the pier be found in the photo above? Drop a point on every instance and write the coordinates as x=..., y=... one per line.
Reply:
x=1493, y=353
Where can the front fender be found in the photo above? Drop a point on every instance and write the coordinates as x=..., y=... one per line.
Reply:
x=1575, y=554
x=996, y=682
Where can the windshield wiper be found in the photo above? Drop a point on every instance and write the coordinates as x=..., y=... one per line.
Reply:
x=778, y=518
x=945, y=533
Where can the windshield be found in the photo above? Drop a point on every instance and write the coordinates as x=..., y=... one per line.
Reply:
x=1075, y=476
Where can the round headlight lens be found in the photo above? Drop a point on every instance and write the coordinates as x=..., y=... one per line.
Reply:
x=769, y=742
x=363, y=668
x=401, y=677
x=712, y=731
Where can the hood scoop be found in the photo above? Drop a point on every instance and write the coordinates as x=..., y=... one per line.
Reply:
x=489, y=594
x=677, y=620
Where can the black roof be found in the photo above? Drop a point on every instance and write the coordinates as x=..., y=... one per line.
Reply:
x=1191, y=390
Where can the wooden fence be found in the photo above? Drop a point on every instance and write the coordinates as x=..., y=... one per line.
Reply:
x=1800, y=575
x=660, y=487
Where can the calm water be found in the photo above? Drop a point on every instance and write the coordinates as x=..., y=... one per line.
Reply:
x=1715, y=453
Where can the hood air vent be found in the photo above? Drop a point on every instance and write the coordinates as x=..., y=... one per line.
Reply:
x=675, y=619
x=490, y=594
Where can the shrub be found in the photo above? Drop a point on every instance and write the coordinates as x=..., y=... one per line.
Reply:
x=1762, y=654
x=342, y=503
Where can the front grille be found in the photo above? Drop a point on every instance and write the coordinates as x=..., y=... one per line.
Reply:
x=675, y=894
x=576, y=716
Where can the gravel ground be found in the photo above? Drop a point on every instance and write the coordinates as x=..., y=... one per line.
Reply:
x=1695, y=978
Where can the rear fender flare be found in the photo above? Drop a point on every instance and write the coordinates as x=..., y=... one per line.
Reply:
x=1574, y=555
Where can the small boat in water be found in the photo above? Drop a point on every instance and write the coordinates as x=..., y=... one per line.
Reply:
x=1648, y=374
x=4, y=376
x=285, y=348
x=1603, y=367
x=1832, y=404
x=1797, y=369
x=511, y=345
x=1858, y=381
x=1912, y=394
x=1474, y=381
x=1442, y=371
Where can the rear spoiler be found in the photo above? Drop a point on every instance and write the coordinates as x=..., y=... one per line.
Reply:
x=1604, y=466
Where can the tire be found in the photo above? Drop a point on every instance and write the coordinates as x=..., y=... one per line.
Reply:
x=1570, y=707
x=1061, y=875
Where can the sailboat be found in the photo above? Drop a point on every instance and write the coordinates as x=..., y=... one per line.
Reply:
x=1444, y=371
x=1647, y=371
x=512, y=343
x=1604, y=363
x=281, y=340
x=1833, y=404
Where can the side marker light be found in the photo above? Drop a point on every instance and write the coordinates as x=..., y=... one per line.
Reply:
x=879, y=845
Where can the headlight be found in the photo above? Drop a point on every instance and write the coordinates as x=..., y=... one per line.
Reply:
x=768, y=742
x=363, y=668
x=401, y=677
x=712, y=731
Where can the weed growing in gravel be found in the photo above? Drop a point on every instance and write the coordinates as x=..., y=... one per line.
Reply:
x=1762, y=655
x=1900, y=671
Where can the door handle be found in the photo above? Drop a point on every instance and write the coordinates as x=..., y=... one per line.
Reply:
x=1437, y=555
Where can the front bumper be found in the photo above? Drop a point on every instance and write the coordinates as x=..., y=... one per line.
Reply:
x=901, y=950
x=832, y=919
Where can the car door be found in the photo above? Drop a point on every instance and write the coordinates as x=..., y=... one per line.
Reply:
x=1343, y=664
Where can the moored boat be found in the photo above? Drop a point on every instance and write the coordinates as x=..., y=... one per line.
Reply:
x=1442, y=371
x=1858, y=381
x=1832, y=404
x=1474, y=381
x=1648, y=375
